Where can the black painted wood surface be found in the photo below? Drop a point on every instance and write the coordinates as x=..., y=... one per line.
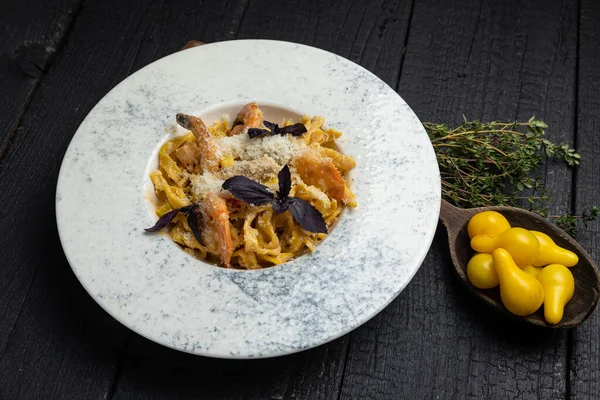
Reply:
x=484, y=59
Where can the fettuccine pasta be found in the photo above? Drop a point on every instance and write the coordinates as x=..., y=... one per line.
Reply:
x=233, y=233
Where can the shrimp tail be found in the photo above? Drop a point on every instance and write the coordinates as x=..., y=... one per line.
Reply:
x=193, y=124
x=208, y=158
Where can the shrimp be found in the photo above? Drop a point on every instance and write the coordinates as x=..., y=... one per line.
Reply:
x=189, y=156
x=340, y=161
x=217, y=231
x=320, y=172
x=249, y=117
x=208, y=158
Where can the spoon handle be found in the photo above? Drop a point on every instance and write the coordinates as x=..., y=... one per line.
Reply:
x=452, y=216
x=192, y=43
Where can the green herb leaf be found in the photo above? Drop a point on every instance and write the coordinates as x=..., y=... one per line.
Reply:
x=484, y=164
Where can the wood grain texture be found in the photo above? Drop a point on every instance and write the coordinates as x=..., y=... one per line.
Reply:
x=371, y=34
x=155, y=372
x=585, y=354
x=174, y=24
x=31, y=33
x=63, y=344
x=487, y=60
x=54, y=341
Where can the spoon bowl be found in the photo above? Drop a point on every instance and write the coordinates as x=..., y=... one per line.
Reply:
x=585, y=273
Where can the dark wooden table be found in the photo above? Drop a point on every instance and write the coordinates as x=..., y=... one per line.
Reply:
x=485, y=59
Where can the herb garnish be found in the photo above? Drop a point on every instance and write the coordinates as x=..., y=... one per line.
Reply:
x=295, y=130
x=254, y=193
x=489, y=164
x=188, y=211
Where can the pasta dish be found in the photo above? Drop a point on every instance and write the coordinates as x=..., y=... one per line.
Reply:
x=254, y=194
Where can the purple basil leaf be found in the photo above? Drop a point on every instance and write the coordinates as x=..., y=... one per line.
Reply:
x=280, y=205
x=256, y=132
x=274, y=128
x=193, y=223
x=308, y=217
x=295, y=130
x=166, y=219
x=285, y=182
x=247, y=190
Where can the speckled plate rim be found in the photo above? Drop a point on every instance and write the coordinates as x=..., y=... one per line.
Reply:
x=159, y=292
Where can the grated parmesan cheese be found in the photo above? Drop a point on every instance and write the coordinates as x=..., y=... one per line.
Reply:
x=204, y=184
x=259, y=159
x=280, y=148
x=262, y=170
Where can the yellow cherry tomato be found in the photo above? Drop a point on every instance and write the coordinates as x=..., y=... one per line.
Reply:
x=551, y=253
x=515, y=264
x=522, y=245
x=481, y=272
x=531, y=270
x=520, y=292
x=487, y=223
x=559, y=285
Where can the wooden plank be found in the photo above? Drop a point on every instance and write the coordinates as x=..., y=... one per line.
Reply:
x=63, y=343
x=193, y=21
x=32, y=32
x=585, y=354
x=54, y=341
x=370, y=34
x=487, y=60
x=34, y=363
x=155, y=372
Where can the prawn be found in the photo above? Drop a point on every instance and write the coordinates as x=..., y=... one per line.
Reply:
x=208, y=158
x=189, y=156
x=217, y=230
x=249, y=117
x=340, y=161
x=320, y=172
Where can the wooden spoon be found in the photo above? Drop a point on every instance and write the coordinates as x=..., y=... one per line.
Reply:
x=587, y=279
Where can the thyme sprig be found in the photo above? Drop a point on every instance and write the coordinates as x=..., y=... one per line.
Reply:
x=495, y=163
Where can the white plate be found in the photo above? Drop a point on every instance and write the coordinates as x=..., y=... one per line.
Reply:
x=160, y=292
